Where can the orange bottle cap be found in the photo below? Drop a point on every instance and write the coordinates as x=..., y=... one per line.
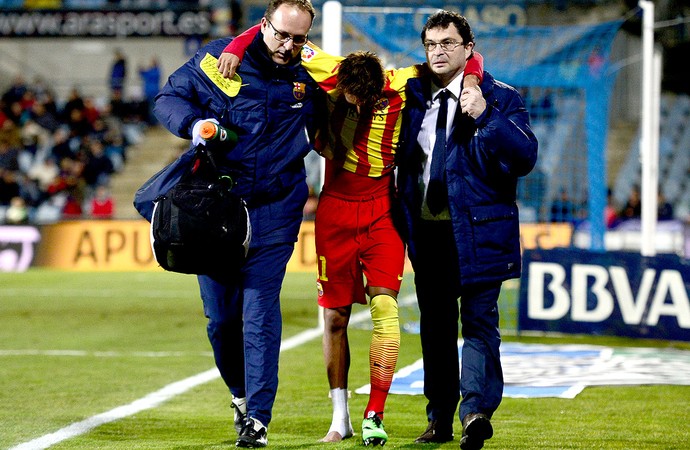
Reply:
x=208, y=130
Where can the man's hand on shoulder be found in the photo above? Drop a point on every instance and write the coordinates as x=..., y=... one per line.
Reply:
x=472, y=101
x=227, y=64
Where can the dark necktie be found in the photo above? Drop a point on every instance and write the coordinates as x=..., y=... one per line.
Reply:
x=437, y=193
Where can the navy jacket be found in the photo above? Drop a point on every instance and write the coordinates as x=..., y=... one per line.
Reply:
x=485, y=157
x=273, y=110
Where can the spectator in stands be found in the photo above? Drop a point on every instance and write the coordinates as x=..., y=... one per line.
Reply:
x=11, y=132
x=40, y=88
x=71, y=185
x=42, y=175
x=17, y=213
x=97, y=165
x=47, y=99
x=546, y=108
x=90, y=111
x=562, y=208
x=115, y=150
x=633, y=207
x=118, y=72
x=17, y=114
x=34, y=139
x=3, y=114
x=102, y=203
x=27, y=101
x=44, y=117
x=72, y=208
x=151, y=79
x=664, y=208
x=9, y=171
x=78, y=124
x=610, y=211
x=114, y=125
x=16, y=90
x=99, y=129
x=118, y=107
x=61, y=145
x=74, y=101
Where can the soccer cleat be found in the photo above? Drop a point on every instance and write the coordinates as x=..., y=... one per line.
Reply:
x=372, y=430
x=253, y=434
x=240, y=417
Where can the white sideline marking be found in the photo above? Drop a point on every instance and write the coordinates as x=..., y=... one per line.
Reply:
x=162, y=395
x=149, y=401
x=30, y=352
x=80, y=293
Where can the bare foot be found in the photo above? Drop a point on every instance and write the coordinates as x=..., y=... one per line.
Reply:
x=334, y=436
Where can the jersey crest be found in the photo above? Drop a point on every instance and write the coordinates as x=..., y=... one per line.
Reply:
x=381, y=104
x=299, y=90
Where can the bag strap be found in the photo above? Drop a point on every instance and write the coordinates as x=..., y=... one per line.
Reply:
x=203, y=151
x=205, y=156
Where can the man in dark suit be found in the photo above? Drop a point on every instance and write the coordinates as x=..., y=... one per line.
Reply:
x=457, y=182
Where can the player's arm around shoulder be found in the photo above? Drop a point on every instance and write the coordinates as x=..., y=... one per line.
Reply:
x=321, y=66
x=231, y=57
x=474, y=70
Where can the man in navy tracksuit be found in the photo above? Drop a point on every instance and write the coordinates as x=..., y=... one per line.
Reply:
x=272, y=107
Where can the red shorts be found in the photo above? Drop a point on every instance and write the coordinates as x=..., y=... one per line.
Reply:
x=356, y=238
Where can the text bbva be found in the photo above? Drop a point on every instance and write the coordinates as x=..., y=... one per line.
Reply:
x=594, y=291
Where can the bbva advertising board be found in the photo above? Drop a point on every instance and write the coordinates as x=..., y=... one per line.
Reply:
x=611, y=293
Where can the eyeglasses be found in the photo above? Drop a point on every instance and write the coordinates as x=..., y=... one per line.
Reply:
x=447, y=45
x=284, y=37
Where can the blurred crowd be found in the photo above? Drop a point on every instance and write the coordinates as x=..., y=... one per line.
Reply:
x=57, y=155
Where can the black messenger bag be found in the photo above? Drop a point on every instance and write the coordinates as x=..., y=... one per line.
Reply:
x=200, y=226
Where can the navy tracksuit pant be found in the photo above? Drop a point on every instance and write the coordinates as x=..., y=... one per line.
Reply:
x=245, y=326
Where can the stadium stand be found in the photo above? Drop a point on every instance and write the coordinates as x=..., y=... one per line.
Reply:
x=674, y=157
x=55, y=154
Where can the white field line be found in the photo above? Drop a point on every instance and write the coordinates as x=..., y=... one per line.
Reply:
x=78, y=293
x=162, y=395
x=30, y=352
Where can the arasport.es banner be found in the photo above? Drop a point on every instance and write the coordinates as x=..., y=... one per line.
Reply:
x=104, y=23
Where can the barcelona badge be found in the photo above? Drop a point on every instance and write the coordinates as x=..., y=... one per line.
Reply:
x=298, y=90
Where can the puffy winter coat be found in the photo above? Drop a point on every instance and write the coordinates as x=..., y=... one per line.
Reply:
x=273, y=109
x=485, y=157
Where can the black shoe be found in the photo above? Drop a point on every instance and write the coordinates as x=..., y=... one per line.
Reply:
x=253, y=435
x=476, y=428
x=435, y=433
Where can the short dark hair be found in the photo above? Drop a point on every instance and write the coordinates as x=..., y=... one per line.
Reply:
x=443, y=19
x=299, y=4
x=361, y=74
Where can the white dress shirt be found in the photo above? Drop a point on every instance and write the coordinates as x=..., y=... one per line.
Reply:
x=427, y=138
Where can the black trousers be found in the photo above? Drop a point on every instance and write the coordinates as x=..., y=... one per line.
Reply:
x=437, y=278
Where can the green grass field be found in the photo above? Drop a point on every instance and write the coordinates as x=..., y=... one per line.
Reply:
x=76, y=345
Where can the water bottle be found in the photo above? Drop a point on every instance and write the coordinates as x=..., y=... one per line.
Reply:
x=211, y=131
